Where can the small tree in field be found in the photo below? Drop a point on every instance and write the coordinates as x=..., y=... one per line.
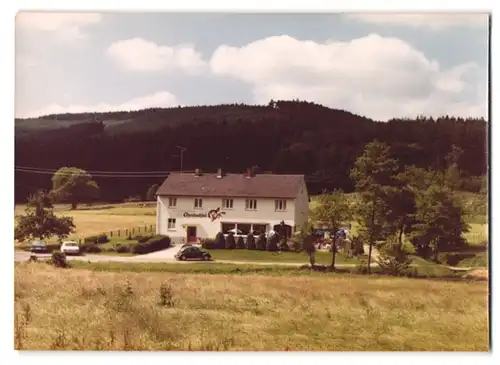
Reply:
x=240, y=243
x=230, y=242
x=251, y=242
x=39, y=220
x=333, y=209
x=220, y=241
x=373, y=174
x=261, y=242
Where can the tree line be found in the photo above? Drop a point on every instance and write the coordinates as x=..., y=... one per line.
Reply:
x=420, y=203
x=282, y=137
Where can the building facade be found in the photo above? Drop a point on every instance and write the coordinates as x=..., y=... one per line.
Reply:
x=196, y=206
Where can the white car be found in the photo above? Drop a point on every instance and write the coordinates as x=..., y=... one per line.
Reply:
x=70, y=248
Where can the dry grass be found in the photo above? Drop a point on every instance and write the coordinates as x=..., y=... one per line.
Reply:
x=80, y=309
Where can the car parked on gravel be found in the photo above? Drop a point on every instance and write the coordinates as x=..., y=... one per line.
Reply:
x=70, y=248
x=39, y=247
x=192, y=253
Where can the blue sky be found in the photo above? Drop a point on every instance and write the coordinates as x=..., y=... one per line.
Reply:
x=377, y=65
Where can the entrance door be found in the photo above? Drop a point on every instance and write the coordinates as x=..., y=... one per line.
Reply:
x=191, y=234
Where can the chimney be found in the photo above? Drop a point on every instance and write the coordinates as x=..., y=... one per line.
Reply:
x=219, y=173
x=250, y=173
x=197, y=172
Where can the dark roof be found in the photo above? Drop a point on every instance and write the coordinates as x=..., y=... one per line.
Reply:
x=232, y=185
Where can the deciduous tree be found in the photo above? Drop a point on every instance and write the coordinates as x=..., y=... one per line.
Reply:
x=373, y=175
x=334, y=210
x=75, y=186
x=39, y=220
x=151, y=194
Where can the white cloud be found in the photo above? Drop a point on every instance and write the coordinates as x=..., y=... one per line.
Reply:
x=156, y=100
x=64, y=26
x=431, y=21
x=137, y=54
x=373, y=76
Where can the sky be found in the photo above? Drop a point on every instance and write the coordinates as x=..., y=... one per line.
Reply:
x=377, y=65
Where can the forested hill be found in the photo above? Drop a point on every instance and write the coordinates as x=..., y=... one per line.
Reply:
x=283, y=137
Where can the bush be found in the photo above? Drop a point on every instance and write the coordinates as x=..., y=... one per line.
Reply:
x=220, y=241
x=454, y=258
x=137, y=249
x=261, y=242
x=142, y=239
x=102, y=238
x=272, y=243
x=123, y=249
x=208, y=244
x=166, y=296
x=230, y=242
x=251, y=242
x=296, y=244
x=240, y=243
x=362, y=267
x=90, y=248
x=357, y=246
x=58, y=259
x=393, y=259
x=155, y=243
x=283, y=245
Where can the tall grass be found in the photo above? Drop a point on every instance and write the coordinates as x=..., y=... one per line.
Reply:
x=81, y=309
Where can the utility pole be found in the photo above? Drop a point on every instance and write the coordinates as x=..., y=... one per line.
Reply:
x=182, y=149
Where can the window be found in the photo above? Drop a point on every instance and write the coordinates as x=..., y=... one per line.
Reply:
x=171, y=223
x=259, y=228
x=227, y=203
x=251, y=204
x=244, y=228
x=280, y=205
x=226, y=227
x=172, y=202
x=198, y=203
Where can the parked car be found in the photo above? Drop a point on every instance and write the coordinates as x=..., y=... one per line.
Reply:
x=192, y=253
x=70, y=248
x=39, y=246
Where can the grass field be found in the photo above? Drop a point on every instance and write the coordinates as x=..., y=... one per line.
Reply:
x=102, y=219
x=322, y=258
x=82, y=310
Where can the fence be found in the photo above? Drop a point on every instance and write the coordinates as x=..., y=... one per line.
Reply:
x=127, y=232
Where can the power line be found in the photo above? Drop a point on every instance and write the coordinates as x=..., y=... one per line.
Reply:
x=113, y=175
x=96, y=172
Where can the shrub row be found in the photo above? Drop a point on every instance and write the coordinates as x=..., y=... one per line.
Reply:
x=155, y=243
x=145, y=244
x=102, y=238
x=250, y=243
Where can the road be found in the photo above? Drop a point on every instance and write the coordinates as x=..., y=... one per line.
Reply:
x=167, y=256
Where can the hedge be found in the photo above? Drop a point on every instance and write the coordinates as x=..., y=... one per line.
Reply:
x=102, y=238
x=155, y=243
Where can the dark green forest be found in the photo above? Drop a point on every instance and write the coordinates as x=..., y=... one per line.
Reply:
x=282, y=137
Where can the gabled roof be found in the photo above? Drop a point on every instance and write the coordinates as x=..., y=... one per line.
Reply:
x=232, y=185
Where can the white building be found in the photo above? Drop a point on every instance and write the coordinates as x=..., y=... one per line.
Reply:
x=193, y=206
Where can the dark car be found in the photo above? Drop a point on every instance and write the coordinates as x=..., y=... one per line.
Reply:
x=192, y=253
x=38, y=246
